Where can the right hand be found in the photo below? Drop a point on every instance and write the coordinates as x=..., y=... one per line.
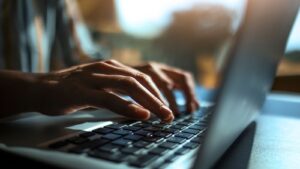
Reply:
x=97, y=85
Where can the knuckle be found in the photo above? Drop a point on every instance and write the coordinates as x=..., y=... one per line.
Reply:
x=112, y=61
x=130, y=81
x=143, y=76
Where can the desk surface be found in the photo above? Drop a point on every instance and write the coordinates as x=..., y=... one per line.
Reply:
x=273, y=141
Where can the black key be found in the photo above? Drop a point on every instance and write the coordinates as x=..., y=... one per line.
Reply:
x=131, y=128
x=111, y=136
x=162, y=134
x=122, y=142
x=144, y=160
x=133, y=137
x=115, y=126
x=158, y=151
x=171, y=130
x=153, y=121
x=130, y=150
x=180, y=127
x=111, y=148
x=172, y=158
x=87, y=134
x=144, y=133
x=107, y=156
x=161, y=125
x=77, y=140
x=178, y=140
x=191, y=131
x=191, y=145
x=183, y=123
x=168, y=145
x=93, y=144
x=122, y=132
x=197, y=127
x=153, y=139
x=184, y=135
x=143, y=144
x=103, y=130
x=152, y=128
x=58, y=144
x=182, y=151
x=197, y=140
x=142, y=125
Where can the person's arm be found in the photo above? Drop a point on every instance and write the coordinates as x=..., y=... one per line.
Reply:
x=20, y=92
x=98, y=85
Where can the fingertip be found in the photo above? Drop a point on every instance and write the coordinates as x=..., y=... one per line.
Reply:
x=139, y=112
x=166, y=113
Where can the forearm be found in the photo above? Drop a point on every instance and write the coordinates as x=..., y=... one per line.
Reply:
x=20, y=92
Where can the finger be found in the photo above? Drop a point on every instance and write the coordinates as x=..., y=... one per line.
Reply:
x=185, y=82
x=135, y=90
x=116, y=68
x=115, y=103
x=166, y=85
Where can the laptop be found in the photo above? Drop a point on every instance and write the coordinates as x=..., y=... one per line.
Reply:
x=195, y=140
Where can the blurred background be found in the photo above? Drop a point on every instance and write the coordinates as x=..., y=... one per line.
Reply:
x=191, y=34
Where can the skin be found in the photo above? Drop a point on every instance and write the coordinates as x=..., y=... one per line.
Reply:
x=98, y=85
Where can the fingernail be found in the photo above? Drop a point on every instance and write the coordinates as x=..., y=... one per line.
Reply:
x=140, y=112
x=168, y=114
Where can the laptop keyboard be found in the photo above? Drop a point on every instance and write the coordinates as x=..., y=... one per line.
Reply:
x=140, y=143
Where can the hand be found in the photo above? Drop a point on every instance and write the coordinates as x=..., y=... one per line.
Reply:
x=169, y=78
x=98, y=84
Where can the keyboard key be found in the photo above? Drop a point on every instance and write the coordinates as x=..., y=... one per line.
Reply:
x=158, y=151
x=144, y=160
x=122, y=132
x=171, y=130
x=110, y=148
x=162, y=134
x=58, y=144
x=178, y=140
x=144, y=133
x=130, y=150
x=197, y=127
x=180, y=127
x=111, y=136
x=143, y=144
x=142, y=125
x=133, y=137
x=77, y=140
x=183, y=123
x=153, y=139
x=87, y=134
x=168, y=145
x=184, y=135
x=182, y=151
x=161, y=125
x=131, y=128
x=191, y=131
x=197, y=140
x=93, y=144
x=191, y=145
x=103, y=130
x=152, y=128
x=122, y=142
